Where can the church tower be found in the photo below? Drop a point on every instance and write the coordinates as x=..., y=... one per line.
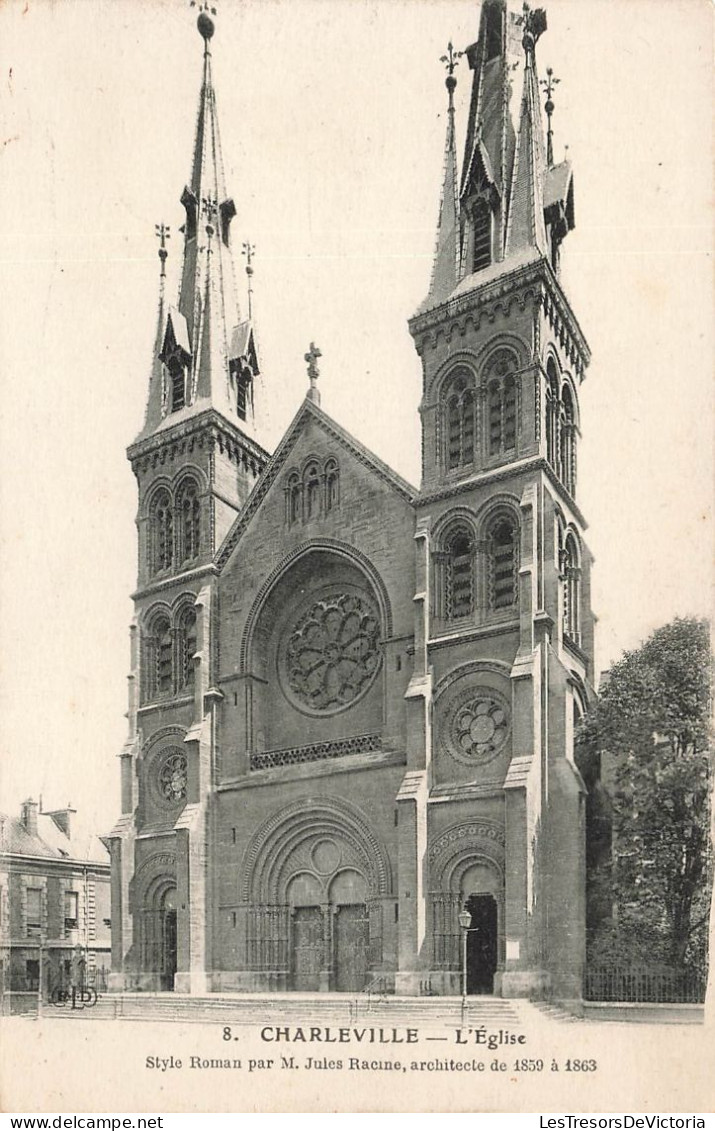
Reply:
x=196, y=461
x=504, y=635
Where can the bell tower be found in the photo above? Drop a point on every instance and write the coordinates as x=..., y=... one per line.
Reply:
x=202, y=420
x=504, y=634
x=196, y=460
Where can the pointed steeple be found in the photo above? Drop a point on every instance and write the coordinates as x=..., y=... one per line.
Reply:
x=526, y=228
x=445, y=271
x=208, y=354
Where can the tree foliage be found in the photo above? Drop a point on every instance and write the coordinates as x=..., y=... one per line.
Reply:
x=650, y=734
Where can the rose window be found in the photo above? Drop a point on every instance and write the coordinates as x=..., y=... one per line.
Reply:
x=172, y=777
x=477, y=726
x=332, y=652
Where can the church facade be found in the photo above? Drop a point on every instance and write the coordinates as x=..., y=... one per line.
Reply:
x=352, y=700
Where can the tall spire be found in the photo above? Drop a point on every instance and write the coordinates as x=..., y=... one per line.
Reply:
x=526, y=227
x=208, y=353
x=445, y=271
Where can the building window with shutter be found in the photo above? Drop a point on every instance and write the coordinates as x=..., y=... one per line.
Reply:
x=33, y=920
x=71, y=910
x=502, y=555
x=482, y=218
x=459, y=419
x=459, y=588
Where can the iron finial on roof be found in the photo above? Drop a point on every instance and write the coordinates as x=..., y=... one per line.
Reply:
x=249, y=250
x=548, y=84
x=204, y=22
x=451, y=60
x=163, y=232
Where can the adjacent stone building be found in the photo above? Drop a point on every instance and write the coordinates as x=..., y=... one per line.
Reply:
x=353, y=700
x=54, y=897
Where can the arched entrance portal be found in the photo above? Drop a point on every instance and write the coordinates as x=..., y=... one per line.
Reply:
x=330, y=927
x=316, y=881
x=167, y=926
x=159, y=946
x=481, y=944
x=467, y=873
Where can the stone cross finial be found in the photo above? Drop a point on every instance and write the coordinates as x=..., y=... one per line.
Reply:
x=311, y=358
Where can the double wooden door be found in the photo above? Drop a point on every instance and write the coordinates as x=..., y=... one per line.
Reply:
x=350, y=947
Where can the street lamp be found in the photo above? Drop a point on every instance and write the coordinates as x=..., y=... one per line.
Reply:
x=465, y=919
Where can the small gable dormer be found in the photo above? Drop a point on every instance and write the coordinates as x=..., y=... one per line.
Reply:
x=176, y=355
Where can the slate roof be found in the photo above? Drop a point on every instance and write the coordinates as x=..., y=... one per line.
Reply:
x=51, y=843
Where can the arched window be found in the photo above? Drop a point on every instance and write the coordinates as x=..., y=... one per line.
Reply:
x=568, y=440
x=187, y=648
x=312, y=492
x=159, y=659
x=177, y=376
x=332, y=485
x=503, y=563
x=571, y=582
x=501, y=404
x=482, y=217
x=460, y=423
x=459, y=588
x=294, y=499
x=162, y=532
x=552, y=415
x=189, y=515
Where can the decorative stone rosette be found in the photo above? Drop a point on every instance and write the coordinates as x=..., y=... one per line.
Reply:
x=170, y=776
x=475, y=725
x=331, y=652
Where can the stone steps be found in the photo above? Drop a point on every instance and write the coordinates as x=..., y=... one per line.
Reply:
x=302, y=1010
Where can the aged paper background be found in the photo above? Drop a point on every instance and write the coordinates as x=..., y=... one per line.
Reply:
x=332, y=117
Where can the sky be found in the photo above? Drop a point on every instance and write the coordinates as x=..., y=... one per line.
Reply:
x=332, y=118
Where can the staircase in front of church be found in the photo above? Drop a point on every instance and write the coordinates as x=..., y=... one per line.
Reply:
x=301, y=1010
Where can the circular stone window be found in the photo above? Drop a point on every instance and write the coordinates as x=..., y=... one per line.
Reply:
x=171, y=776
x=476, y=725
x=331, y=652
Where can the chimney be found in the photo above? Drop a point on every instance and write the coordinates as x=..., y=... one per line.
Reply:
x=63, y=819
x=29, y=816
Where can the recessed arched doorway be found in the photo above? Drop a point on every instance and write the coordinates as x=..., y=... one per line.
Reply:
x=467, y=874
x=159, y=935
x=167, y=927
x=481, y=944
x=316, y=880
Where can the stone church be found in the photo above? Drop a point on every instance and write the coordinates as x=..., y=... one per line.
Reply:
x=353, y=700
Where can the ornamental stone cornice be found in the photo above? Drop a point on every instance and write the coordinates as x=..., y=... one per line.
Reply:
x=486, y=478
x=208, y=428
x=535, y=279
x=184, y=578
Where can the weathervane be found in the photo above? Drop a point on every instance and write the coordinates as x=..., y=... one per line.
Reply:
x=548, y=84
x=534, y=23
x=249, y=250
x=163, y=233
